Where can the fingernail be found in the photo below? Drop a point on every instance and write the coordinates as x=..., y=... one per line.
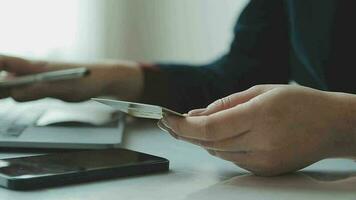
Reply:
x=212, y=152
x=162, y=127
x=211, y=105
x=165, y=121
x=173, y=134
x=166, y=129
x=196, y=112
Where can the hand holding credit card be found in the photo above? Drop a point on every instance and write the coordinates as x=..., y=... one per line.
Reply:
x=138, y=109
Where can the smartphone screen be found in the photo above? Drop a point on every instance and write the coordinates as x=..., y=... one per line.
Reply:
x=70, y=167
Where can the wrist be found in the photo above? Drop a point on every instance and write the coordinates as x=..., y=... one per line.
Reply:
x=123, y=80
x=345, y=124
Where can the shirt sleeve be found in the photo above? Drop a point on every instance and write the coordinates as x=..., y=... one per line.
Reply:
x=258, y=55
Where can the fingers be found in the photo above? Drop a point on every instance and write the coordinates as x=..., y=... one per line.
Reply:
x=236, y=157
x=196, y=112
x=19, y=66
x=228, y=102
x=239, y=158
x=236, y=144
x=232, y=100
x=66, y=91
x=225, y=145
x=239, y=143
x=234, y=154
x=218, y=126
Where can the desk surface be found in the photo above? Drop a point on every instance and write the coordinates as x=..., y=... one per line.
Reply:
x=194, y=174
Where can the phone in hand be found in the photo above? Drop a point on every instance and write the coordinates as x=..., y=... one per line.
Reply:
x=33, y=172
x=45, y=76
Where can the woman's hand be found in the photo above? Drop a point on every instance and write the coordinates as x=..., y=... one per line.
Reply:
x=272, y=129
x=121, y=79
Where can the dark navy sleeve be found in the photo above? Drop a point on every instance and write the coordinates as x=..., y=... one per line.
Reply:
x=258, y=55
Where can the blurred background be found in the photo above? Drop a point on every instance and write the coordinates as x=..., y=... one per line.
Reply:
x=190, y=31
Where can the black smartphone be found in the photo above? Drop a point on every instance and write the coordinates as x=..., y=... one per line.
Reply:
x=34, y=172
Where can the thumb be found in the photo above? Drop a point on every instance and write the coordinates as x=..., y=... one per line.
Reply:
x=231, y=100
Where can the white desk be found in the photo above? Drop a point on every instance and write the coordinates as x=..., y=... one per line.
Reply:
x=196, y=175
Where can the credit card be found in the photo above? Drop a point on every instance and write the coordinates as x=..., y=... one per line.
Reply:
x=138, y=109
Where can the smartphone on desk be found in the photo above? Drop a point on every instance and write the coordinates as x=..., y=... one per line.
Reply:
x=34, y=172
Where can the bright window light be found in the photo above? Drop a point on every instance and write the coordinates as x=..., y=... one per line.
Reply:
x=37, y=28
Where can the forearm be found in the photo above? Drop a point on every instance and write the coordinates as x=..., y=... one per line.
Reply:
x=121, y=79
x=124, y=81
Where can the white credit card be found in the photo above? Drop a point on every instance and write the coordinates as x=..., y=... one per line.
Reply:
x=138, y=109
